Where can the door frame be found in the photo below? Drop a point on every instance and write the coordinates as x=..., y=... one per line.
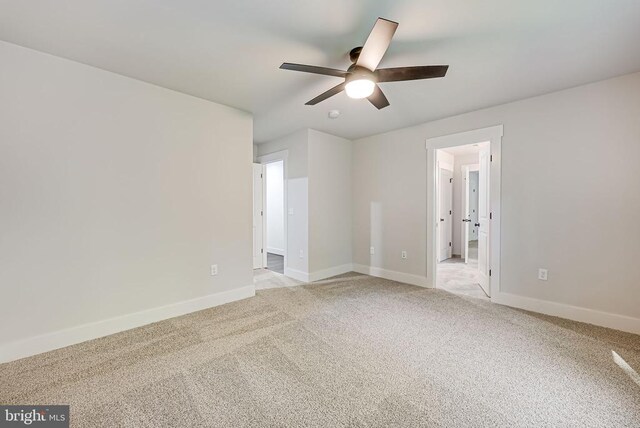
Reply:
x=262, y=209
x=264, y=160
x=465, y=170
x=493, y=135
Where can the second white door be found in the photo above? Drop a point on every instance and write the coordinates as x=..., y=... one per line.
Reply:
x=446, y=207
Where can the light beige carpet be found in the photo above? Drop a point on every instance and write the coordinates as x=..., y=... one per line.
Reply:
x=355, y=351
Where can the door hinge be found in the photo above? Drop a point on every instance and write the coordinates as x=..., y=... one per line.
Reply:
x=451, y=180
x=262, y=250
x=449, y=243
x=449, y=212
x=489, y=272
x=490, y=216
x=490, y=158
x=261, y=212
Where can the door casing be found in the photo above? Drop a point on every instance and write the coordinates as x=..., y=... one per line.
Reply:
x=493, y=135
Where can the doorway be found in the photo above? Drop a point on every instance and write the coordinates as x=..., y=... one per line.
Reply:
x=274, y=215
x=463, y=203
x=269, y=216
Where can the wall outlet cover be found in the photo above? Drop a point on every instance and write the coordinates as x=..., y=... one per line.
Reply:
x=214, y=270
x=542, y=274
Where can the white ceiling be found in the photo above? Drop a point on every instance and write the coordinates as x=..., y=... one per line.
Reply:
x=229, y=51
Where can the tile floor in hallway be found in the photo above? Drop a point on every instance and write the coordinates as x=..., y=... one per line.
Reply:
x=456, y=276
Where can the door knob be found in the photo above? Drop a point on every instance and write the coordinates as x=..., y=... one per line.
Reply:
x=477, y=224
x=466, y=220
x=441, y=219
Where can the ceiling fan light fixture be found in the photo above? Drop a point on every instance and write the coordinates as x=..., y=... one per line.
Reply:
x=363, y=75
x=359, y=88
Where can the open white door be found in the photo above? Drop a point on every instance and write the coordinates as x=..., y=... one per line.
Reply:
x=466, y=218
x=484, y=225
x=446, y=207
x=258, y=211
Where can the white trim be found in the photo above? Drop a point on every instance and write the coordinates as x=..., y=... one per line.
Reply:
x=493, y=135
x=71, y=336
x=463, y=138
x=277, y=251
x=296, y=274
x=392, y=275
x=576, y=313
x=273, y=157
x=281, y=155
x=329, y=272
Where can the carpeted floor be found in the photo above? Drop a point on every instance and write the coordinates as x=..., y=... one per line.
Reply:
x=354, y=351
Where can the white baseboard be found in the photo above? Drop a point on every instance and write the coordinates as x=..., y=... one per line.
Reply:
x=575, y=313
x=296, y=274
x=278, y=251
x=71, y=336
x=328, y=273
x=392, y=275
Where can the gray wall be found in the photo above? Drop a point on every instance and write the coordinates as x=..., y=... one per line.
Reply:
x=329, y=201
x=116, y=195
x=570, y=194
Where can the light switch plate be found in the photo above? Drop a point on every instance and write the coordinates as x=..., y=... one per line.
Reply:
x=214, y=270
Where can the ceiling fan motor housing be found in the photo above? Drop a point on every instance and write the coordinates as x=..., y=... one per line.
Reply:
x=355, y=54
x=358, y=73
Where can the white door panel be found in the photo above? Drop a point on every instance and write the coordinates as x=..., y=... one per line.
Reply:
x=445, y=213
x=466, y=215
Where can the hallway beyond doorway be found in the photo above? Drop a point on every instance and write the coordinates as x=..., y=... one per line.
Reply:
x=458, y=277
x=275, y=263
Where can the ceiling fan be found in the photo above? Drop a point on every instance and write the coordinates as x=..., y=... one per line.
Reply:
x=362, y=77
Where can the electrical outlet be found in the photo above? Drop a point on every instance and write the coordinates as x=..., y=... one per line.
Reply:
x=214, y=270
x=403, y=254
x=372, y=251
x=301, y=254
x=542, y=274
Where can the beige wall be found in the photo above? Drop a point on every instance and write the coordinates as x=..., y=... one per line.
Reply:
x=116, y=195
x=570, y=194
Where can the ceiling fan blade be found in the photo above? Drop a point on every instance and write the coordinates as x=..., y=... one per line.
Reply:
x=328, y=94
x=411, y=73
x=378, y=99
x=313, y=69
x=377, y=44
